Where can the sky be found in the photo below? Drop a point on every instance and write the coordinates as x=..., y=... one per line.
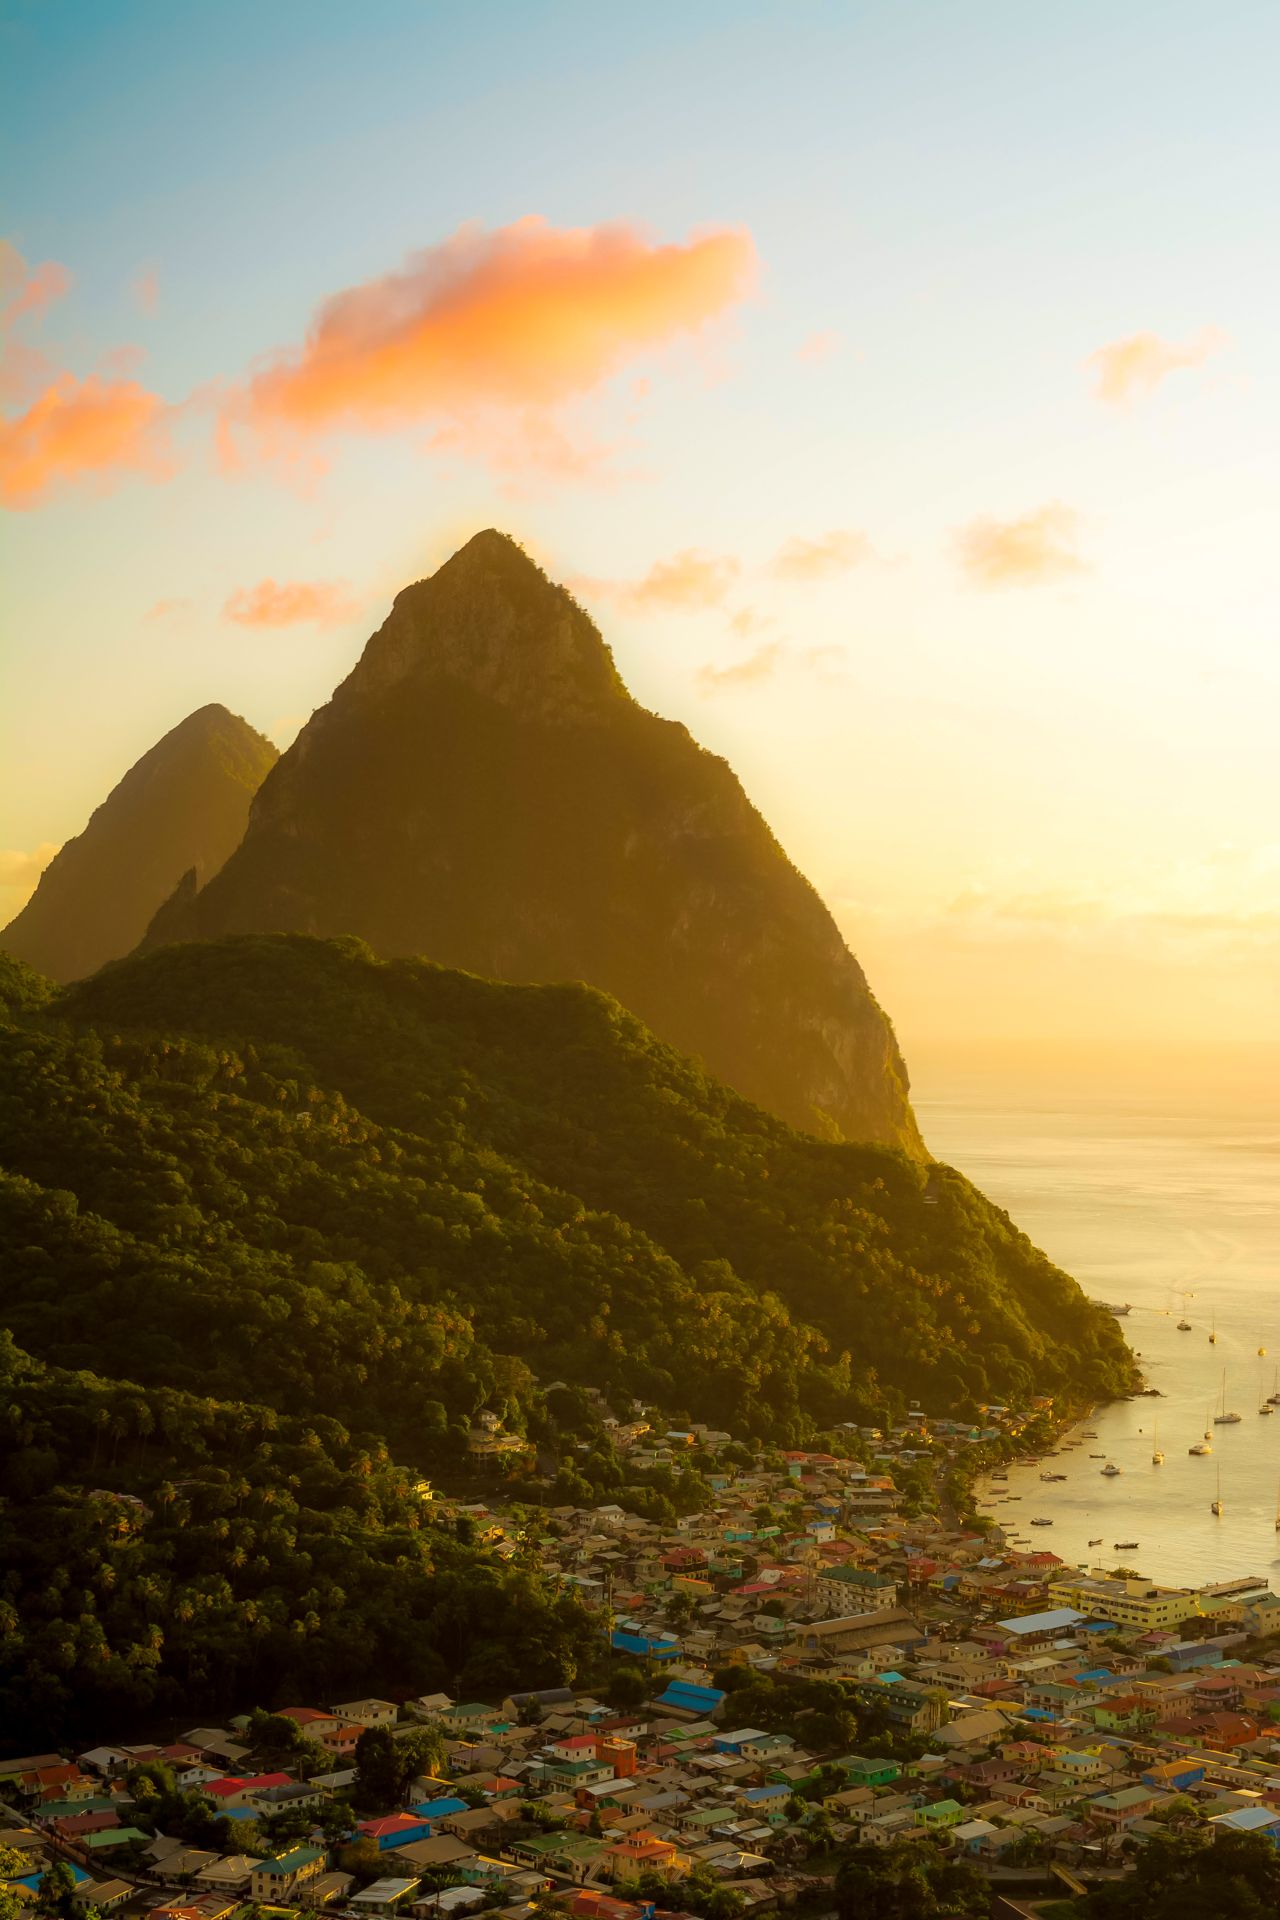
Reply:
x=895, y=383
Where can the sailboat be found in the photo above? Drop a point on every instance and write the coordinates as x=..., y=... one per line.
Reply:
x=1205, y=1445
x=1157, y=1458
x=1215, y=1506
x=1273, y=1398
x=1225, y=1419
x=1264, y=1406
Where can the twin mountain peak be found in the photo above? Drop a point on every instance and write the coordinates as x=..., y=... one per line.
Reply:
x=483, y=790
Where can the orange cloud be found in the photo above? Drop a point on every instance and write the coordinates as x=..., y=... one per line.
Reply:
x=292, y=603
x=26, y=294
x=166, y=609
x=748, y=620
x=1130, y=369
x=82, y=429
x=1038, y=546
x=818, y=559
x=689, y=581
x=524, y=317
x=762, y=665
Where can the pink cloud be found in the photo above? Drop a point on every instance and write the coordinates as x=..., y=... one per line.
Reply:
x=1036, y=547
x=517, y=320
x=79, y=430
x=291, y=603
x=818, y=559
x=1132, y=368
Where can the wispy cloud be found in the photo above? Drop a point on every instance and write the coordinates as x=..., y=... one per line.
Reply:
x=1036, y=547
x=1132, y=368
x=487, y=326
x=818, y=347
x=146, y=290
x=70, y=430
x=690, y=580
x=820, y=558
x=290, y=603
x=166, y=609
x=762, y=665
x=26, y=294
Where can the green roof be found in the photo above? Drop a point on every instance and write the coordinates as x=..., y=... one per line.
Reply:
x=289, y=1862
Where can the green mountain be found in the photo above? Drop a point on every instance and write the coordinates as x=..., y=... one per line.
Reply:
x=183, y=807
x=277, y=1219
x=274, y=1168
x=483, y=790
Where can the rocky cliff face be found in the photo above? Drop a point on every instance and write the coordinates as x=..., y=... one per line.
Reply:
x=483, y=790
x=184, y=806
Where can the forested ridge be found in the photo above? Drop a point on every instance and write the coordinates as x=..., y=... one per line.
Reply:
x=425, y=1180
x=277, y=1220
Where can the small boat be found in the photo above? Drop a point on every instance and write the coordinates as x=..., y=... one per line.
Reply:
x=1213, y=1329
x=1111, y=1470
x=1266, y=1407
x=1042, y=1523
x=1225, y=1419
x=1157, y=1457
x=1278, y=1513
x=1184, y=1326
x=1125, y=1546
x=1088, y=1434
x=1215, y=1505
x=1109, y=1306
x=1098, y=1541
x=1097, y=1456
x=1201, y=1446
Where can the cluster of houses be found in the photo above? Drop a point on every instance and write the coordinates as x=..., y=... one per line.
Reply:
x=1023, y=1711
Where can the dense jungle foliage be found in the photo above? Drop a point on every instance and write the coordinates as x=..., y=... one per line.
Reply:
x=274, y=1215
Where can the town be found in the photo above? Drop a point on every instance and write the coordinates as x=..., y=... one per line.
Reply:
x=802, y=1667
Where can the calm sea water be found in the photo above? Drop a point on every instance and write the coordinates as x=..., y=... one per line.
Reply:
x=1175, y=1211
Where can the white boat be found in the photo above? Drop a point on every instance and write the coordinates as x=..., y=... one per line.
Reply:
x=1157, y=1458
x=1225, y=1419
x=1042, y=1523
x=1215, y=1505
x=1111, y=1470
x=1205, y=1446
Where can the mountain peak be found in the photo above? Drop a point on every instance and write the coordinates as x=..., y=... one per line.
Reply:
x=483, y=790
x=184, y=805
x=491, y=618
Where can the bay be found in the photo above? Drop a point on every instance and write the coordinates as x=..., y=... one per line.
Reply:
x=1168, y=1205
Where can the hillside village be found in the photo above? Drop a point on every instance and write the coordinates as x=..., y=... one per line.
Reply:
x=800, y=1668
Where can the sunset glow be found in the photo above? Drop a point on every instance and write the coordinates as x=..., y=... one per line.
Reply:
x=931, y=488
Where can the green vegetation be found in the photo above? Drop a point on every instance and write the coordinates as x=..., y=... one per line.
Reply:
x=447, y=1173
x=1229, y=1876
x=166, y=1555
x=277, y=1220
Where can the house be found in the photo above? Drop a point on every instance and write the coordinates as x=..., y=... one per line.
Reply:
x=839, y=1589
x=276, y=1881
x=368, y=1713
x=384, y=1896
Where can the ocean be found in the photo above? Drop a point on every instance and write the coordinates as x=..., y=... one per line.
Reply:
x=1170, y=1207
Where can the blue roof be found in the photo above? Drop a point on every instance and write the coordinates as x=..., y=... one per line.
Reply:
x=643, y=1643
x=754, y=1794
x=691, y=1699
x=437, y=1809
